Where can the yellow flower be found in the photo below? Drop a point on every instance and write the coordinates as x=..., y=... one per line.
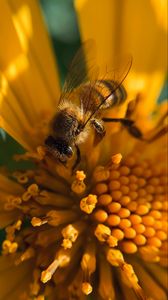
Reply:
x=103, y=229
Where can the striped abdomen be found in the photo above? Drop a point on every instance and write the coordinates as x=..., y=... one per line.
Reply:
x=101, y=94
x=109, y=92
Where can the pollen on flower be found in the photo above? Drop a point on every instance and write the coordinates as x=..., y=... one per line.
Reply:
x=88, y=203
x=12, y=202
x=116, y=159
x=124, y=212
x=9, y=247
x=80, y=175
x=127, y=204
x=102, y=232
x=38, y=222
x=78, y=186
x=61, y=260
x=70, y=234
x=86, y=288
x=11, y=230
x=32, y=191
x=29, y=253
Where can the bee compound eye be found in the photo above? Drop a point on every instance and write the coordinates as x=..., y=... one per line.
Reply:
x=69, y=151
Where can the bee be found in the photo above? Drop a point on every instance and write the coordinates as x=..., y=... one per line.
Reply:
x=82, y=101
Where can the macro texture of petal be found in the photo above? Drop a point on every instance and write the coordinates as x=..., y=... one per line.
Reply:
x=29, y=84
x=120, y=27
x=161, y=12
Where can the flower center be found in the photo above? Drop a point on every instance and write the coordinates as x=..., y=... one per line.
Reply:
x=122, y=209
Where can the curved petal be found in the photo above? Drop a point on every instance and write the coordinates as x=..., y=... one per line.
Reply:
x=128, y=27
x=29, y=85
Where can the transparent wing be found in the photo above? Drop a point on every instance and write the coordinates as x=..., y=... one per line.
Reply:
x=82, y=69
x=89, y=90
x=105, y=88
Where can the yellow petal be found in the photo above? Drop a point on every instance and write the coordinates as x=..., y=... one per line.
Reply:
x=128, y=27
x=160, y=7
x=29, y=86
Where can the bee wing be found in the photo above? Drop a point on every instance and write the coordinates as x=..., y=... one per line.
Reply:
x=105, y=87
x=78, y=74
x=83, y=85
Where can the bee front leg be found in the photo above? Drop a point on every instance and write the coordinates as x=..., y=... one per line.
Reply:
x=129, y=125
x=78, y=157
x=99, y=129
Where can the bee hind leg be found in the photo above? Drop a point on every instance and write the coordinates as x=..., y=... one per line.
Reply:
x=129, y=125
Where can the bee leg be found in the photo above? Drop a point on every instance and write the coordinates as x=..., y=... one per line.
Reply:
x=78, y=157
x=129, y=124
x=99, y=128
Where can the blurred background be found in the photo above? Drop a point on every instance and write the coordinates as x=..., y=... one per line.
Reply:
x=63, y=29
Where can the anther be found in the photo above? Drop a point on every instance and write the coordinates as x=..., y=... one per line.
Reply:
x=78, y=186
x=88, y=203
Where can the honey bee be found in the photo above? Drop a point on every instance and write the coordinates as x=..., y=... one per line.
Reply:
x=81, y=104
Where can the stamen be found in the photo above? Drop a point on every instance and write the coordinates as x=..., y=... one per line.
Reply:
x=10, y=230
x=49, y=236
x=102, y=232
x=106, y=284
x=62, y=259
x=29, y=253
x=55, y=218
x=9, y=247
x=50, y=182
x=88, y=203
x=32, y=191
x=12, y=202
x=21, y=177
x=116, y=159
x=55, y=199
x=150, y=285
x=35, y=286
x=86, y=288
x=128, y=195
x=71, y=232
x=30, y=155
x=131, y=280
x=78, y=186
x=47, y=274
x=38, y=222
x=88, y=265
x=115, y=258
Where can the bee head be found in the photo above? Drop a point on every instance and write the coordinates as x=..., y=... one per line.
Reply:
x=58, y=148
